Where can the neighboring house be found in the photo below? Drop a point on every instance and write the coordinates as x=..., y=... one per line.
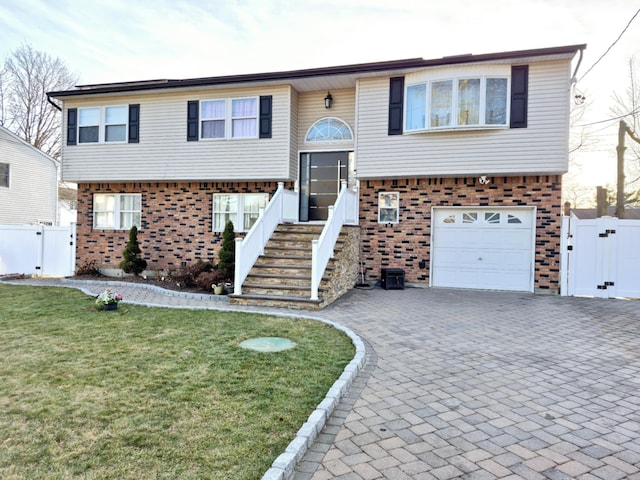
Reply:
x=28, y=183
x=457, y=163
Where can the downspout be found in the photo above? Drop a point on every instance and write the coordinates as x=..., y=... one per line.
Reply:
x=58, y=168
x=574, y=79
x=56, y=106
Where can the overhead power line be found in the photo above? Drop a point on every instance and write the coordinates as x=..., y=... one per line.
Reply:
x=612, y=45
x=612, y=119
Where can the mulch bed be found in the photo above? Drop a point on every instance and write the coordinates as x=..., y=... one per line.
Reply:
x=167, y=284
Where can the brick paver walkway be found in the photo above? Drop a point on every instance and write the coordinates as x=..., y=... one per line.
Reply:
x=479, y=385
x=488, y=385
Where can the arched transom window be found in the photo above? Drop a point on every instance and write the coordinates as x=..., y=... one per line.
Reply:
x=329, y=129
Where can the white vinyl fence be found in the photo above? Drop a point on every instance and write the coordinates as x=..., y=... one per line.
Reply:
x=37, y=250
x=601, y=257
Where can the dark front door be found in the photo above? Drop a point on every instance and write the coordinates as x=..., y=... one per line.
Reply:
x=321, y=175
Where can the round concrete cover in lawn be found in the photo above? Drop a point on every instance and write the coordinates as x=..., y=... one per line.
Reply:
x=268, y=344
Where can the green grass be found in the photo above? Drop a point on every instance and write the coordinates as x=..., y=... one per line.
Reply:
x=151, y=392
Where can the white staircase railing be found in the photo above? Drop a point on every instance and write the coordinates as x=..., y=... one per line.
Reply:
x=283, y=207
x=343, y=212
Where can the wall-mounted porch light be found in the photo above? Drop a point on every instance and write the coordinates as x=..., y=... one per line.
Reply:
x=328, y=100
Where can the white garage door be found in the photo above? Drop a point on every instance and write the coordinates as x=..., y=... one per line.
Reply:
x=483, y=248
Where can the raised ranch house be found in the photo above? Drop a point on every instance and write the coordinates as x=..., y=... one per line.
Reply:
x=447, y=169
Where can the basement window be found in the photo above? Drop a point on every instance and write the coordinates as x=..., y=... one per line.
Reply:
x=388, y=207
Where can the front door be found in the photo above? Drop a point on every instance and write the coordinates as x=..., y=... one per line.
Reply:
x=321, y=175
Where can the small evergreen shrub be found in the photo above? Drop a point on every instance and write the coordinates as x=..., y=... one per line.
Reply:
x=132, y=260
x=227, y=253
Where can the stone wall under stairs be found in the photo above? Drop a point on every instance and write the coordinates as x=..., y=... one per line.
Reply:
x=282, y=276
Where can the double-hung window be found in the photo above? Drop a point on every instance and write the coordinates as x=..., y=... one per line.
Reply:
x=103, y=124
x=212, y=118
x=115, y=124
x=118, y=211
x=4, y=175
x=89, y=125
x=242, y=209
x=457, y=103
x=229, y=118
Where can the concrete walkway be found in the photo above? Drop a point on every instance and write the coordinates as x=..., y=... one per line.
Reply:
x=477, y=385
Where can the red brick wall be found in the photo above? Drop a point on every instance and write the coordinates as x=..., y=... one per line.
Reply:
x=407, y=243
x=176, y=223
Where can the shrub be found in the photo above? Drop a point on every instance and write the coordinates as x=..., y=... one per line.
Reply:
x=206, y=280
x=187, y=276
x=133, y=262
x=89, y=267
x=227, y=253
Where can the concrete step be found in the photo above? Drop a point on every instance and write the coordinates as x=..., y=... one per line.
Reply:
x=292, y=302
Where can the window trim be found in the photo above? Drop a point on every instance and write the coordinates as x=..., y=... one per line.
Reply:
x=454, y=124
x=229, y=118
x=102, y=125
x=116, y=211
x=238, y=224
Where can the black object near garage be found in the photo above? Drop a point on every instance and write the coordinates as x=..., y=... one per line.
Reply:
x=392, y=279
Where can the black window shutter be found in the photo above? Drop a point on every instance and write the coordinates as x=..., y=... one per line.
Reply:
x=519, y=95
x=265, y=116
x=72, y=125
x=134, y=123
x=396, y=104
x=192, y=120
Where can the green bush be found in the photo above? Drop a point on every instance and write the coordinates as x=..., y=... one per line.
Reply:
x=133, y=262
x=227, y=253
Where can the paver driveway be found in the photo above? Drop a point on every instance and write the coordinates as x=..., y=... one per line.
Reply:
x=485, y=385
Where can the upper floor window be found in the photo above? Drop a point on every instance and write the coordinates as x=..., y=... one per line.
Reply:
x=4, y=175
x=119, y=211
x=457, y=103
x=229, y=118
x=329, y=130
x=114, y=124
x=106, y=124
x=242, y=209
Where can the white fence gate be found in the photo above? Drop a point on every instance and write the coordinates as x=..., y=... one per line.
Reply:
x=601, y=257
x=37, y=250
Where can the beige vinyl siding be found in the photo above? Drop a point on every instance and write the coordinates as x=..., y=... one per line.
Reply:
x=33, y=184
x=164, y=153
x=311, y=109
x=541, y=148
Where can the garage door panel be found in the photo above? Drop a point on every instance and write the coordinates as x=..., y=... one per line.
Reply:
x=483, y=238
x=481, y=248
x=489, y=259
x=457, y=278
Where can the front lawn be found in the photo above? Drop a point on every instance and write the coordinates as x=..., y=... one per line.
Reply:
x=151, y=392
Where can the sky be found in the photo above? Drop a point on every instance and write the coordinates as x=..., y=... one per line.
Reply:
x=123, y=40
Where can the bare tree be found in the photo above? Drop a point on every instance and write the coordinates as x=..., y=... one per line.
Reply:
x=580, y=140
x=26, y=78
x=627, y=107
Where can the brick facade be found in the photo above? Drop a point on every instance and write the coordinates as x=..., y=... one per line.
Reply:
x=407, y=244
x=177, y=222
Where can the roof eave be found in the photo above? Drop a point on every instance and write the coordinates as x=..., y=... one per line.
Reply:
x=363, y=68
